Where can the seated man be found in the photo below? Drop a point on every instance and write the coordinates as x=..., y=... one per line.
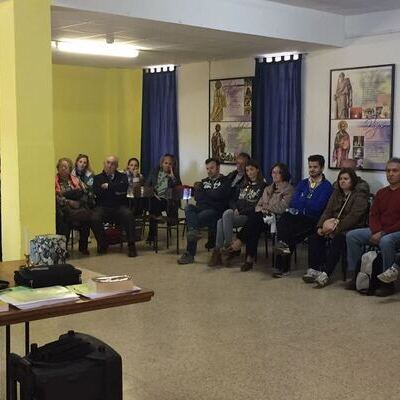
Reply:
x=236, y=177
x=110, y=188
x=211, y=195
x=383, y=231
x=308, y=202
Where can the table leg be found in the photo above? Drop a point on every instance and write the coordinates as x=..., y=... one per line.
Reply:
x=8, y=351
x=27, y=339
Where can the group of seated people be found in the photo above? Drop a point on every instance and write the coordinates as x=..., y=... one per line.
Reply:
x=340, y=215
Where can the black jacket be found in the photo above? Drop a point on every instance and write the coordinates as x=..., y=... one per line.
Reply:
x=248, y=197
x=213, y=193
x=115, y=194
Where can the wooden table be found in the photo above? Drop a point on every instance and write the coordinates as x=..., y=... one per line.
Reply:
x=16, y=316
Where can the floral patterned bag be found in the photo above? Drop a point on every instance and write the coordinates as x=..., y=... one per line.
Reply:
x=48, y=250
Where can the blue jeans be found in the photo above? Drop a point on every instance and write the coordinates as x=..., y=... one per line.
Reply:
x=196, y=218
x=225, y=227
x=358, y=238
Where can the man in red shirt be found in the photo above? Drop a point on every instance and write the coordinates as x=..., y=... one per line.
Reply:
x=383, y=231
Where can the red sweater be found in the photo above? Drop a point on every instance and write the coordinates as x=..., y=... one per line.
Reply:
x=385, y=211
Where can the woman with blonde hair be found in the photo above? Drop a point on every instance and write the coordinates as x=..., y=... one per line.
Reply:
x=161, y=179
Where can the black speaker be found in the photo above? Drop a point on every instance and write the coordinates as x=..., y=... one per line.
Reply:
x=76, y=366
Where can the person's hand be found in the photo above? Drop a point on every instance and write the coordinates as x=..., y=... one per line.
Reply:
x=171, y=173
x=375, y=238
x=104, y=186
x=136, y=173
x=236, y=212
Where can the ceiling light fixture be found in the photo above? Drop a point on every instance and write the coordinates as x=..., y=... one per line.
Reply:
x=159, y=68
x=93, y=47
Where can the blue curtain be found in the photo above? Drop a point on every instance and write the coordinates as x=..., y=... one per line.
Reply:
x=159, y=118
x=277, y=115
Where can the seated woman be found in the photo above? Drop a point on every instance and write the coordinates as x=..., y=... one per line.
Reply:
x=347, y=209
x=241, y=206
x=135, y=180
x=71, y=207
x=162, y=178
x=83, y=171
x=274, y=201
x=85, y=174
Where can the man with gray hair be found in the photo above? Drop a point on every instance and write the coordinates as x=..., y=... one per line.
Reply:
x=383, y=230
x=110, y=188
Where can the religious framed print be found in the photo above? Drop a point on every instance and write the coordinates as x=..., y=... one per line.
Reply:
x=361, y=116
x=230, y=118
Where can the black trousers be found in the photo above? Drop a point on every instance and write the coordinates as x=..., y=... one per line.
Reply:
x=121, y=215
x=323, y=253
x=156, y=207
x=293, y=229
x=69, y=218
x=251, y=232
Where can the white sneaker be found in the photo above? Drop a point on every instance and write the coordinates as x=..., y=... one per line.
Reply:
x=390, y=275
x=311, y=275
x=322, y=279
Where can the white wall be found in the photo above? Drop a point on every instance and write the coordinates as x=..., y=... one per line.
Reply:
x=193, y=111
x=360, y=52
x=193, y=100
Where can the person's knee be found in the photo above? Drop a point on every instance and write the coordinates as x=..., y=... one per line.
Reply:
x=387, y=242
x=227, y=213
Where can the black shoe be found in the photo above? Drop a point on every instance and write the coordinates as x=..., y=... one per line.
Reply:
x=132, y=250
x=280, y=273
x=247, y=266
x=83, y=249
x=385, y=289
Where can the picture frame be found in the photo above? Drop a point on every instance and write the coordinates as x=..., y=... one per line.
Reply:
x=230, y=118
x=361, y=104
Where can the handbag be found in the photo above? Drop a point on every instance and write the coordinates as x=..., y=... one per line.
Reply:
x=48, y=250
x=47, y=275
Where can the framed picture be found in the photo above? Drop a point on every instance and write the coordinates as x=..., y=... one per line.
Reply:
x=230, y=118
x=361, y=116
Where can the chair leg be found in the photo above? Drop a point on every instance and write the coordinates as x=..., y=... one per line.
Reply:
x=155, y=243
x=168, y=235
x=177, y=238
x=184, y=230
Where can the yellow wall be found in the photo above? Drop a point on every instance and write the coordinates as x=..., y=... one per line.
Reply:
x=27, y=203
x=97, y=111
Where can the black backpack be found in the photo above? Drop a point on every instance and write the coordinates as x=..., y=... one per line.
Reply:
x=370, y=267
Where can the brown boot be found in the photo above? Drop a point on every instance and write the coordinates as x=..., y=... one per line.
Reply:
x=215, y=259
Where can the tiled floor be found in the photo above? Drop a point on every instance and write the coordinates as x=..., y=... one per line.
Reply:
x=224, y=335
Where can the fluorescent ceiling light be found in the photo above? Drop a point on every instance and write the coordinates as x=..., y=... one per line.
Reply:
x=98, y=48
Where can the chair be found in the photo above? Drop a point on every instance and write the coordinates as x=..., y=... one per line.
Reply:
x=172, y=220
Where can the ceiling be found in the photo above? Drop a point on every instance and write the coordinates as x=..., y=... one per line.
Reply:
x=162, y=43
x=345, y=7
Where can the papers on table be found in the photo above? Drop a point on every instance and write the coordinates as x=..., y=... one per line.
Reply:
x=87, y=290
x=26, y=298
